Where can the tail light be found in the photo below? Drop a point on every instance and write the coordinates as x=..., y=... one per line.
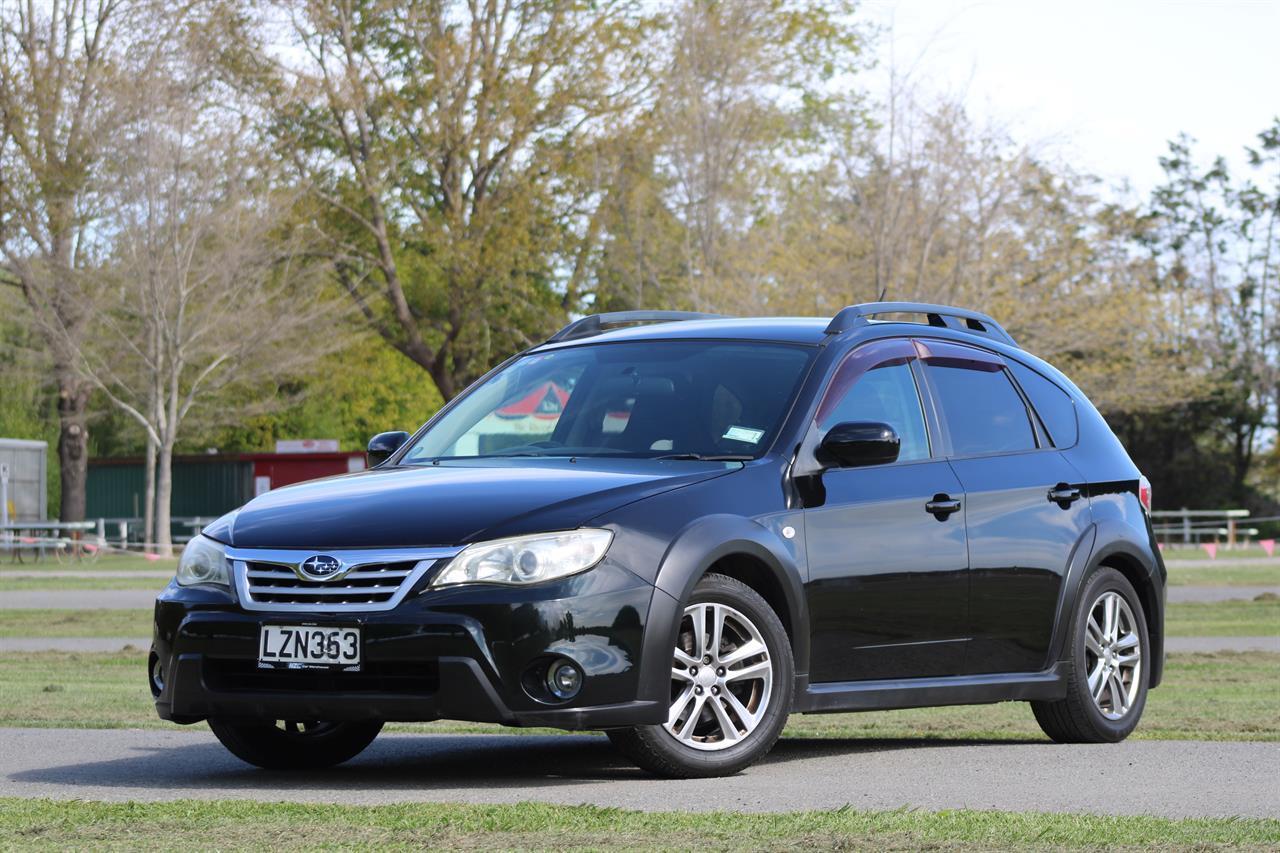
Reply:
x=1144, y=493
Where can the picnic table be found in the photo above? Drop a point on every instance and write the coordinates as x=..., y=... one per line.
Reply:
x=63, y=538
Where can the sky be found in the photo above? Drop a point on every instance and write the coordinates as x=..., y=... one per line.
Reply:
x=1104, y=84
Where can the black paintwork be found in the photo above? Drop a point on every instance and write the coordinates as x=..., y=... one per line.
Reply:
x=938, y=581
x=383, y=445
x=856, y=443
x=881, y=611
x=452, y=503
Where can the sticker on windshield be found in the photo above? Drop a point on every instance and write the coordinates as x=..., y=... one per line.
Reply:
x=747, y=434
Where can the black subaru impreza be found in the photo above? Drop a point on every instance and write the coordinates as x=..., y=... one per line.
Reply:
x=679, y=529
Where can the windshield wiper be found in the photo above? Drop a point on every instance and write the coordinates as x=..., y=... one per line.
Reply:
x=700, y=457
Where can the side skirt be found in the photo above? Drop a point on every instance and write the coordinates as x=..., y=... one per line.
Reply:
x=889, y=694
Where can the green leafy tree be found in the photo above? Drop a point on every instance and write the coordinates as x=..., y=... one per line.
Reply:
x=1215, y=242
x=363, y=389
x=435, y=139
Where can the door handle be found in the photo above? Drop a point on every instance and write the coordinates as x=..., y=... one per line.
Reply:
x=942, y=506
x=1064, y=495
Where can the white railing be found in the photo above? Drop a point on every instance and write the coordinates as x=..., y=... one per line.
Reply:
x=1194, y=526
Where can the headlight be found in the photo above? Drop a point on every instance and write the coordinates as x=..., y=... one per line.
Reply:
x=203, y=561
x=527, y=559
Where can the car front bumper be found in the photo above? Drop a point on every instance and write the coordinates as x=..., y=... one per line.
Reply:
x=464, y=653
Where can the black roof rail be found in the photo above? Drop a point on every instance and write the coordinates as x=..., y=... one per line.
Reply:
x=595, y=324
x=960, y=319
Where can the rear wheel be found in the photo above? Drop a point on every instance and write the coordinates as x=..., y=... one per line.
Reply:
x=1107, y=688
x=731, y=684
x=294, y=744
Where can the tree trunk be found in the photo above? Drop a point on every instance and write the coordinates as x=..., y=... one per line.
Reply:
x=149, y=506
x=444, y=379
x=164, y=495
x=73, y=440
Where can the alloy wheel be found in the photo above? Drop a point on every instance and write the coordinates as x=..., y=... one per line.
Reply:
x=1113, y=655
x=721, y=678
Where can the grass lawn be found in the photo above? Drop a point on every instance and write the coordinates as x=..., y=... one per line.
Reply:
x=75, y=623
x=1224, y=573
x=122, y=581
x=1222, y=696
x=1225, y=619
x=1225, y=696
x=105, y=563
x=1182, y=553
x=1216, y=619
x=535, y=826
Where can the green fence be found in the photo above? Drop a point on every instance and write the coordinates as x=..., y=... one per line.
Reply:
x=203, y=488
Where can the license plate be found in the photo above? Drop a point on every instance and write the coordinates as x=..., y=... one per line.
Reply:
x=299, y=646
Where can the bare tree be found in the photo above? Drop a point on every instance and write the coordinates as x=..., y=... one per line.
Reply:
x=935, y=207
x=60, y=65
x=746, y=87
x=210, y=286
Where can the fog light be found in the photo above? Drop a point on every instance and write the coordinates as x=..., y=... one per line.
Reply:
x=564, y=680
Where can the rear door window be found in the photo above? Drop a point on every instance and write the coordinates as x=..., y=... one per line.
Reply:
x=983, y=411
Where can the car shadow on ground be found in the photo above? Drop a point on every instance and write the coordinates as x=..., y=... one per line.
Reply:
x=421, y=763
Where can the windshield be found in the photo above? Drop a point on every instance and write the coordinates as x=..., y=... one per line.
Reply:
x=650, y=399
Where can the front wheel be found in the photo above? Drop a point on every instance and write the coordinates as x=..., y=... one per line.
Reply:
x=294, y=744
x=1107, y=687
x=732, y=678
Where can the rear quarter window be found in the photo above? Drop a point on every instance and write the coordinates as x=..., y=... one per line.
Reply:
x=1055, y=407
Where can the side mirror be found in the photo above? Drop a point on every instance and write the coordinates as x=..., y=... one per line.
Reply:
x=382, y=445
x=856, y=443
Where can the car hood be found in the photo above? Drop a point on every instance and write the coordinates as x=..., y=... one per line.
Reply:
x=452, y=503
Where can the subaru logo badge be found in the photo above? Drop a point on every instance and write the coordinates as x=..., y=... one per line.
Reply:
x=320, y=567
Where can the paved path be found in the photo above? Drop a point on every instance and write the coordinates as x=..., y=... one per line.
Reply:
x=79, y=599
x=1172, y=778
x=1223, y=644
x=72, y=644
x=1179, y=594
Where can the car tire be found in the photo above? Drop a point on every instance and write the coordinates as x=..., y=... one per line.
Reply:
x=752, y=692
x=1105, y=696
x=291, y=745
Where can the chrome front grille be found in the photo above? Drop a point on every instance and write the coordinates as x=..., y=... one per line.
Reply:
x=369, y=580
x=371, y=584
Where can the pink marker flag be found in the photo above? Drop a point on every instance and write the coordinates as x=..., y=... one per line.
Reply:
x=1210, y=548
x=151, y=557
x=1268, y=545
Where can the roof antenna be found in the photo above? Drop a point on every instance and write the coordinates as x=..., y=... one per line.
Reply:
x=883, y=291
